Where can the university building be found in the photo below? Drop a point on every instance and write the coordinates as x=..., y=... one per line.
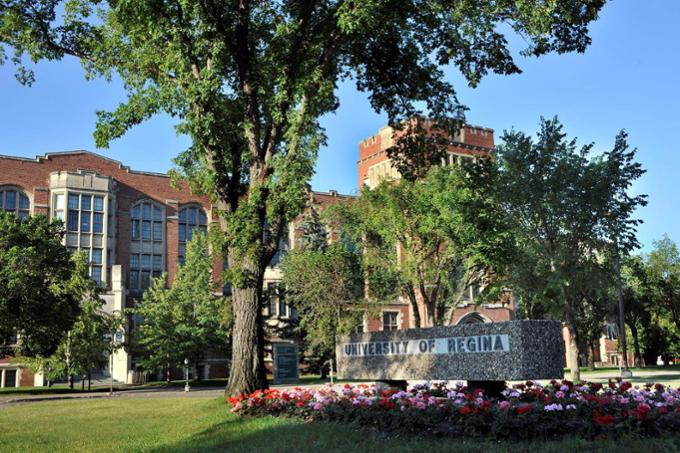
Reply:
x=134, y=225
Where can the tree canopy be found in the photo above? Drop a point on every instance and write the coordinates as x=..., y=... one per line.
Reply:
x=39, y=300
x=434, y=237
x=572, y=214
x=185, y=321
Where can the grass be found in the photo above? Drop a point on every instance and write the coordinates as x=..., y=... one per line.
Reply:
x=193, y=424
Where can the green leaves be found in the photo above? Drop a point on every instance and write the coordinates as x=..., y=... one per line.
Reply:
x=435, y=236
x=40, y=286
x=187, y=320
x=571, y=212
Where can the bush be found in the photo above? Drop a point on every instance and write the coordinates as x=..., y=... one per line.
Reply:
x=524, y=412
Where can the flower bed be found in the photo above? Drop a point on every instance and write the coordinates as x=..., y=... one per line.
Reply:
x=525, y=411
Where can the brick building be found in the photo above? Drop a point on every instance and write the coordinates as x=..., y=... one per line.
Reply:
x=133, y=225
x=374, y=166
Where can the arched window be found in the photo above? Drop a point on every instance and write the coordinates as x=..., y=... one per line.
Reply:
x=147, y=244
x=15, y=201
x=471, y=318
x=190, y=218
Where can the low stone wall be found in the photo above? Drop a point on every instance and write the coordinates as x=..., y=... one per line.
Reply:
x=514, y=350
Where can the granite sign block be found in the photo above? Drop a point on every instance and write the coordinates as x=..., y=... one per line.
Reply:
x=514, y=350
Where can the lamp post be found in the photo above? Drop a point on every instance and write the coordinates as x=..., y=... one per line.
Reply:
x=626, y=372
x=186, y=375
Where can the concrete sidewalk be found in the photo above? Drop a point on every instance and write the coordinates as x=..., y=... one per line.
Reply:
x=154, y=392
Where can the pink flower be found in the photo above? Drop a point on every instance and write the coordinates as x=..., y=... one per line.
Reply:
x=504, y=404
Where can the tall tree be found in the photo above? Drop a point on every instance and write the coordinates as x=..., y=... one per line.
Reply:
x=664, y=271
x=571, y=212
x=38, y=303
x=440, y=235
x=248, y=81
x=325, y=286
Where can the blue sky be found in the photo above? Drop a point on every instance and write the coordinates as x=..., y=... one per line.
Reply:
x=629, y=78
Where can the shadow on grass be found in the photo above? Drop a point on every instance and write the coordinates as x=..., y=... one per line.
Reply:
x=274, y=435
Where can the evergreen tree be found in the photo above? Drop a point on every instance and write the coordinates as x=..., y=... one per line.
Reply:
x=313, y=235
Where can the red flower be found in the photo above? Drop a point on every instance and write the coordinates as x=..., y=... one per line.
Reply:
x=625, y=386
x=465, y=410
x=659, y=387
x=300, y=403
x=525, y=408
x=602, y=420
x=641, y=410
x=232, y=400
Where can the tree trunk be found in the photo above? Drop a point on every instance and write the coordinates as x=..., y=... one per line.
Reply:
x=247, y=371
x=591, y=357
x=82, y=383
x=636, y=344
x=572, y=347
x=70, y=381
x=411, y=296
x=167, y=374
x=89, y=381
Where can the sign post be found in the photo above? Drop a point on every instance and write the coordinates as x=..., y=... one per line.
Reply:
x=286, y=369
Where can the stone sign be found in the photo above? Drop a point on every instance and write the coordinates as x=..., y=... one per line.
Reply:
x=286, y=370
x=514, y=350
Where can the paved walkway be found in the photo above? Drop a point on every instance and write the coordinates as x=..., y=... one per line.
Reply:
x=159, y=392
x=217, y=392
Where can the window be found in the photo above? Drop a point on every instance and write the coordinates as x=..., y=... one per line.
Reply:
x=15, y=201
x=157, y=231
x=10, y=378
x=282, y=248
x=59, y=207
x=84, y=219
x=96, y=256
x=271, y=299
x=471, y=318
x=146, y=233
x=97, y=274
x=283, y=308
x=191, y=218
x=389, y=320
x=98, y=222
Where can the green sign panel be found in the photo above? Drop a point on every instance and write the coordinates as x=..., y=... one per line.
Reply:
x=286, y=369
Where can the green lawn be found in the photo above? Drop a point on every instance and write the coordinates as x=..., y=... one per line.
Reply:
x=193, y=424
